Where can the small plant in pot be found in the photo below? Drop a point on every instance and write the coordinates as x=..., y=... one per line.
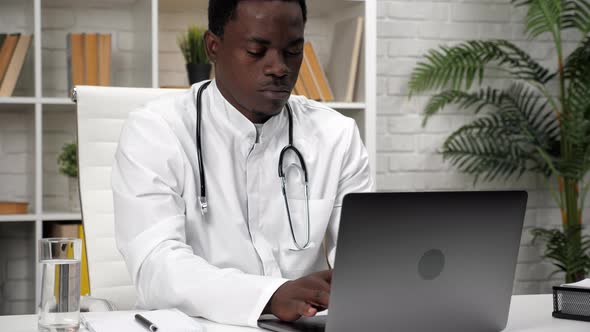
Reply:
x=68, y=166
x=192, y=46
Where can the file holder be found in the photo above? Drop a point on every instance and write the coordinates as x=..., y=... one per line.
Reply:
x=571, y=303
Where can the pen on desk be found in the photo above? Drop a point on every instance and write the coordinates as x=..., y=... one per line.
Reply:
x=145, y=322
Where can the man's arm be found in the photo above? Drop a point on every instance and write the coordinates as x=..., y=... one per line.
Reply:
x=310, y=294
x=147, y=180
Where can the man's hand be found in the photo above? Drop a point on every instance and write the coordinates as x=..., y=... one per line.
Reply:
x=301, y=297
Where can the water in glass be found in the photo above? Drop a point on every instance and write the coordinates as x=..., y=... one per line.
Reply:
x=59, y=309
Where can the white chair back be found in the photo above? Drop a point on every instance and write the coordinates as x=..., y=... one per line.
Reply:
x=102, y=112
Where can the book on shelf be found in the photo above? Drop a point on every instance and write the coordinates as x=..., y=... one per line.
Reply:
x=13, y=207
x=74, y=231
x=89, y=59
x=17, y=59
x=317, y=73
x=104, y=59
x=75, y=57
x=6, y=49
x=359, y=88
x=299, y=88
x=305, y=74
x=342, y=69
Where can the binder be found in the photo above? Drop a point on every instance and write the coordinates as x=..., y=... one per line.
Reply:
x=299, y=87
x=15, y=66
x=104, y=59
x=318, y=74
x=75, y=60
x=308, y=81
x=91, y=58
x=6, y=52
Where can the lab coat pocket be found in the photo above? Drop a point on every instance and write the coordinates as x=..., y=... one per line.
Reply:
x=293, y=261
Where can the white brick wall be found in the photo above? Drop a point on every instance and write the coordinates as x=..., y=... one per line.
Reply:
x=16, y=155
x=407, y=158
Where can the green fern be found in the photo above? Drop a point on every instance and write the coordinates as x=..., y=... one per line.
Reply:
x=460, y=66
x=577, y=15
x=566, y=248
x=528, y=127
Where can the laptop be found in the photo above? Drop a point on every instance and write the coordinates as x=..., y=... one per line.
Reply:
x=422, y=261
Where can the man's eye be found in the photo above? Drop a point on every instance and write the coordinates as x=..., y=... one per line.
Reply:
x=256, y=53
x=294, y=52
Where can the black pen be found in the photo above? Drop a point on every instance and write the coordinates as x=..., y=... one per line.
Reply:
x=145, y=322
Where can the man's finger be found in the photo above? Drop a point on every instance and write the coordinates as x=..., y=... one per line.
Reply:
x=315, y=283
x=315, y=297
x=325, y=275
x=305, y=309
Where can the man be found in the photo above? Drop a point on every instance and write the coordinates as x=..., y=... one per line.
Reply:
x=241, y=257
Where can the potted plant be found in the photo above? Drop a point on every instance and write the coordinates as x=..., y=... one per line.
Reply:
x=528, y=127
x=192, y=45
x=68, y=166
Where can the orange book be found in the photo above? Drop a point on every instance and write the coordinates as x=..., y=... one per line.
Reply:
x=308, y=82
x=76, y=59
x=299, y=88
x=318, y=73
x=104, y=59
x=15, y=66
x=91, y=58
x=6, y=51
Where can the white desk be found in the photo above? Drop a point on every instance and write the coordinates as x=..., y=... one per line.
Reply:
x=527, y=313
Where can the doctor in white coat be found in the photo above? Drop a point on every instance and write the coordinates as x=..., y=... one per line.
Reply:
x=218, y=241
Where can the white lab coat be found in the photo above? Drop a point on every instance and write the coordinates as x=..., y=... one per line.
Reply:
x=226, y=266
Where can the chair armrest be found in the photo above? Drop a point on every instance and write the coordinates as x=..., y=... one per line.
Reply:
x=90, y=304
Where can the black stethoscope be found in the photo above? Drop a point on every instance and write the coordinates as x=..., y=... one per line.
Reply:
x=288, y=147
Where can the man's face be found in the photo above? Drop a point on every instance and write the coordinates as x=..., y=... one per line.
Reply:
x=257, y=60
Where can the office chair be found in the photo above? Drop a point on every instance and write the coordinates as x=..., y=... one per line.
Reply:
x=101, y=113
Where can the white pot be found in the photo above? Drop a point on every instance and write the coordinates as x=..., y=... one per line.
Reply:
x=73, y=194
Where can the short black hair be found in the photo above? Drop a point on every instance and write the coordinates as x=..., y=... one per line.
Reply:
x=221, y=11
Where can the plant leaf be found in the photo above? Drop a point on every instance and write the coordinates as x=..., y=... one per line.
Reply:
x=459, y=66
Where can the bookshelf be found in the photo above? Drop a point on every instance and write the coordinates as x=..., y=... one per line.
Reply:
x=144, y=54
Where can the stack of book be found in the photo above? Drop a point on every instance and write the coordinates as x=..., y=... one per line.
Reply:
x=342, y=76
x=312, y=81
x=13, y=50
x=89, y=59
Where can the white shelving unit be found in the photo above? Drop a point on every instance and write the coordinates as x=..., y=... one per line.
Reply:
x=143, y=56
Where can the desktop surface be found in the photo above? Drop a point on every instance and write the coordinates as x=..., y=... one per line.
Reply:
x=527, y=313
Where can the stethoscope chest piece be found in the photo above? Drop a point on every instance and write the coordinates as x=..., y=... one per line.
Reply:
x=202, y=199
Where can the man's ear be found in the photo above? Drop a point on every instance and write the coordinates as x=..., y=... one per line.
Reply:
x=212, y=42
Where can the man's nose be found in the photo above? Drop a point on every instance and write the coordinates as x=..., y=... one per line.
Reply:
x=276, y=65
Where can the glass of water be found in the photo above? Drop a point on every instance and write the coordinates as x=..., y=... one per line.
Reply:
x=59, y=309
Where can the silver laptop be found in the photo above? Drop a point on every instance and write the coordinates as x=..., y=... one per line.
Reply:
x=434, y=261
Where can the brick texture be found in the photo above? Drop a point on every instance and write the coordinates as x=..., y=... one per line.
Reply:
x=407, y=152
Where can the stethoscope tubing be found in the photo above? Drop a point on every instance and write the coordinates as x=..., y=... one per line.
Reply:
x=289, y=147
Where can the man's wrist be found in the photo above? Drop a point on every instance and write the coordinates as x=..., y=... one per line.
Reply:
x=266, y=309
